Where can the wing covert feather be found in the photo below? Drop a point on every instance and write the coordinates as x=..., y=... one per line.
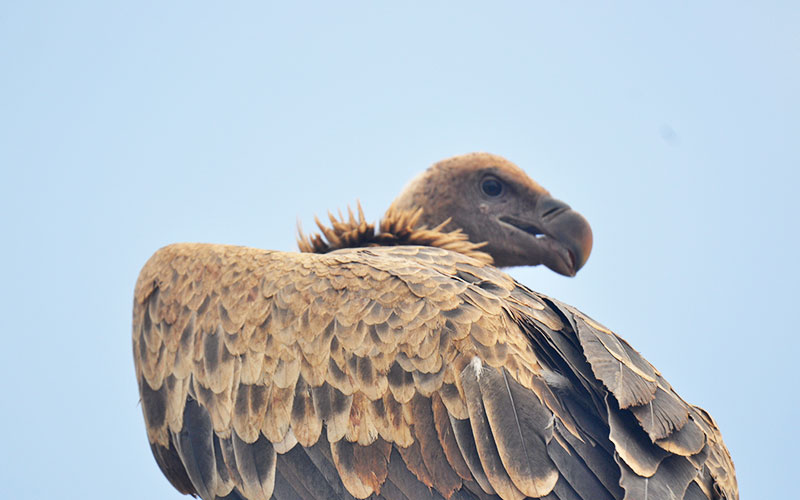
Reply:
x=358, y=367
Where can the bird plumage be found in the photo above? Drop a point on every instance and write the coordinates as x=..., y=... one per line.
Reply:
x=399, y=372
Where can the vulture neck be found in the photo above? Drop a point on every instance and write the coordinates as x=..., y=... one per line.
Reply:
x=396, y=228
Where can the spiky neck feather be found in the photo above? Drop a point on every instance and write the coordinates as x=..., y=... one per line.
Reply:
x=398, y=227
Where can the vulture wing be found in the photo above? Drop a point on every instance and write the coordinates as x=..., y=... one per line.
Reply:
x=399, y=373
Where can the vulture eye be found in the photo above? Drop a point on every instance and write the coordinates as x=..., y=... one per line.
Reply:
x=492, y=187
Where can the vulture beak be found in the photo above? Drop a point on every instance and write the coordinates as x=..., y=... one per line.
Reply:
x=562, y=235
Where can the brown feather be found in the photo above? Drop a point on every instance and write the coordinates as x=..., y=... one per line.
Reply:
x=343, y=455
x=372, y=463
x=170, y=464
x=521, y=426
x=484, y=439
x=632, y=444
x=362, y=426
x=406, y=482
x=687, y=441
x=394, y=426
x=278, y=415
x=412, y=457
x=447, y=439
x=469, y=451
x=443, y=478
x=587, y=470
x=263, y=348
x=401, y=383
x=662, y=416
x=256, y=467
x=306, y=424
x=612, y=364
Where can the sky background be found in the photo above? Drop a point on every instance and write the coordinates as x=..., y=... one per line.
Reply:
x=124, y=127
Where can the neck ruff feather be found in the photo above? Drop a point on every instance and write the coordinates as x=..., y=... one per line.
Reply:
x=396, y=228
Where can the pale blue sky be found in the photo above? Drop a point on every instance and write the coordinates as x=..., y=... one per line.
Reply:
x=123, y=127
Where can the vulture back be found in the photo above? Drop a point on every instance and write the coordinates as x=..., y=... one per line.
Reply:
x=399, y=373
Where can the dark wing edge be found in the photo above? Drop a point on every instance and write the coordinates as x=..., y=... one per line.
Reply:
x=665, y=447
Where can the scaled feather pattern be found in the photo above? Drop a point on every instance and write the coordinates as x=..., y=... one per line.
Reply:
x=399, y=364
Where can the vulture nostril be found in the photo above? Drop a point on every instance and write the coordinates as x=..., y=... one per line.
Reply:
x=553, y=212
x=550, y=207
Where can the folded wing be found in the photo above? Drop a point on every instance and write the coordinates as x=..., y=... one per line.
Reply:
x=399, y=373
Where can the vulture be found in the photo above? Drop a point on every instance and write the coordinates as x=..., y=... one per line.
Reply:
x=398, y=362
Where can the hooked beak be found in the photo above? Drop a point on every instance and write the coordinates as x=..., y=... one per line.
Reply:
x=563, y=234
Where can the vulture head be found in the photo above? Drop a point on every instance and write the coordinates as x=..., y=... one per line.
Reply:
x=492, y=200
x=490, y=207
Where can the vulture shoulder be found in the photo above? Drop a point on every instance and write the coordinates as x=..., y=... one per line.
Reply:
x=399, y=372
